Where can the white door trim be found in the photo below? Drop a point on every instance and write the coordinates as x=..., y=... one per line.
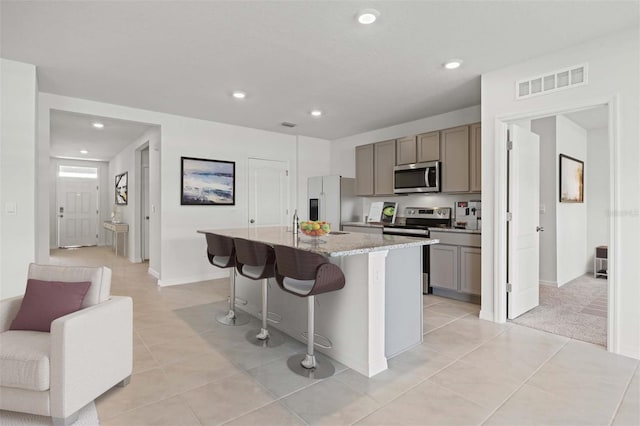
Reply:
x=500, y=205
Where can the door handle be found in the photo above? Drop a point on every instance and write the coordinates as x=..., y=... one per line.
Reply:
x=252, y=221
x=539, y=228
x=146, y=217
x=61, y=215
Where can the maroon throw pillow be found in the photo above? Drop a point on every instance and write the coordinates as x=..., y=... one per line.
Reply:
x=44, y=301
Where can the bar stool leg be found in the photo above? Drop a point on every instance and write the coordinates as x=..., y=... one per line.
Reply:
x=264, y=333
x=310, y=359
x=306, y=365
x=233, y=318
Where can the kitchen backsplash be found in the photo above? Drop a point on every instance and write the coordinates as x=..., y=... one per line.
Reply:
x=419, y=200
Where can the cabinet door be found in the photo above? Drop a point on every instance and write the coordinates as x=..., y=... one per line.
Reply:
x=385, y=161
x=475, y=166
x=470, y=273
x=364, y=170
x=455, y=159
x=444, y=266
x=406, y=150
x=428, y=147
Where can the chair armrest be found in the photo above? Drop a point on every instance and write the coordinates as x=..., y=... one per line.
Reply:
x=91, y=351
x=8, y=310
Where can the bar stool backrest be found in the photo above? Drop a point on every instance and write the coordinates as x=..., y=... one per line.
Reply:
x=304, y=265
x=260, y=259
x=220, y=250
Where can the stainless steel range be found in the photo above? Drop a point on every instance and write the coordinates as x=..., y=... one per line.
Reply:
x=415, y=222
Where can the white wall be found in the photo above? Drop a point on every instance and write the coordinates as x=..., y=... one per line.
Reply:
x=129, y=160
x=546, y=129
x=343, y=155
x=103, y=203
x=571, y=218
x=606, y=80
x=182, y=250
x=597, y=192
x=18, y=109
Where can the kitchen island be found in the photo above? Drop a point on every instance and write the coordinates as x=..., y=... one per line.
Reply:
x=378, y=313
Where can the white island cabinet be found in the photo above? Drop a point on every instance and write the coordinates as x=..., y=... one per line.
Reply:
x=377, y=314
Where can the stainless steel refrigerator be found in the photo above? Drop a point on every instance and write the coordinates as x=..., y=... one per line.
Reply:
x=332, y=199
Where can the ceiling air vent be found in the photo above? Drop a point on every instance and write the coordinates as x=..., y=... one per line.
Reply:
x=287, y=124
x=552, y=82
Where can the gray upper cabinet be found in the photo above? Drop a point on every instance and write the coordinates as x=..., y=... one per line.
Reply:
x=385, y=161
x=364, y=170
x=475, y=160
x=406, y=150
x=454, y=151
x=428, y=145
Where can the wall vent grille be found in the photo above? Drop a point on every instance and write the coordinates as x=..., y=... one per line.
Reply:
x=555, y=81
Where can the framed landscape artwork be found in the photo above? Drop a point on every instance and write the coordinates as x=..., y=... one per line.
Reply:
x=207, y=182
x=121, y=188
x=571, y=180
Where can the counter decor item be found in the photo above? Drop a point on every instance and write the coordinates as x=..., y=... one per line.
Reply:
x=207, y=182
x=315, y=230
x=121, y=188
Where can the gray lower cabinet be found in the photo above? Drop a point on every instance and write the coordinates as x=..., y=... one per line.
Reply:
x=455, y=266
x=444, y=266
x=470, y=276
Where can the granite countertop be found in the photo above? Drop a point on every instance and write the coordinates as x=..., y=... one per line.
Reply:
x=461, y=231
x=336, y=245
x=364, y=224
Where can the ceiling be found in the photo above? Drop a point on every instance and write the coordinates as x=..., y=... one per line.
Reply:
x=591, y=118
x=186, y=57
x=71, y=132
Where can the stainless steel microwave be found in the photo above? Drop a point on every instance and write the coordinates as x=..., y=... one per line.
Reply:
x=418, y=177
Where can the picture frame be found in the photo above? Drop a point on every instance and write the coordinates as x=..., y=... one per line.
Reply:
x=121, y=188
x=206, y=182
x=571, y=179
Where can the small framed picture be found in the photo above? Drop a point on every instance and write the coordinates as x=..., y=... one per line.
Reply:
x=121, y=188
x=571, y=180
x=207, y=182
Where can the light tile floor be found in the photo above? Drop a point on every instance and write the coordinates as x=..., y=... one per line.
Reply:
x=190, y=370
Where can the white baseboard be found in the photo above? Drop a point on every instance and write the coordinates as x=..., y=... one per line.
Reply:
x=222, y=273
x=549, y=283
x=154, y=273
x=485, y=315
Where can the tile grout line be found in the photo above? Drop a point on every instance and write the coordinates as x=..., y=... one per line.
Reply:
x=433, y=374
x=525, y=381
x=626, y=389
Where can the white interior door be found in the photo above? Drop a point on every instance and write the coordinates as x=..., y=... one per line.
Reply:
x=268, y=193
x=523, y=237
x=77, y=212
x=145, y=214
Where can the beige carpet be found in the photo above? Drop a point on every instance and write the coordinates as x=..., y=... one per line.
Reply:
x=578, y=310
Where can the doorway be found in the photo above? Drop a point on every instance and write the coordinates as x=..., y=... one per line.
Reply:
x=144, y=204
x=77, y=208
x=572, y=302
x=268, y=192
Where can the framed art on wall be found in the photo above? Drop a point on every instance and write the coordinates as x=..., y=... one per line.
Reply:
x=571, y=180
x=207, y=182
x=121, y=188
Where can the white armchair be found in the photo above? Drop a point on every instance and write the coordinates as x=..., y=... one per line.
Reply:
x=85, y=354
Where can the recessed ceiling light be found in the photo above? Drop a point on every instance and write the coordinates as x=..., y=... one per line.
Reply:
x=367, y=16
x=98, y=125
x=316, y=113
x=239, y=94
x=453, y=64
x=84, y=151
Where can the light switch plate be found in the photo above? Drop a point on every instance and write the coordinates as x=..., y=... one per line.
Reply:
x=10, y=209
